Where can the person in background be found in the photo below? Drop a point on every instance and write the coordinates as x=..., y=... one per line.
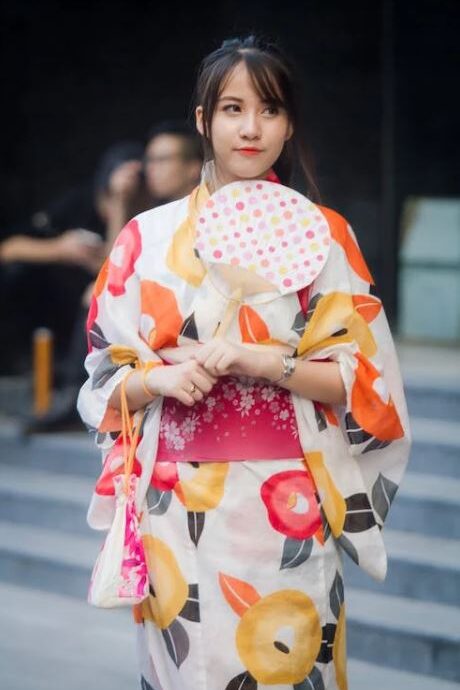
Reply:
x=47, y=261
x=170, y=169
x=90, y=207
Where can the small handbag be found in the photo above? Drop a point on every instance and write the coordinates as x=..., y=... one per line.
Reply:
x=120, y=575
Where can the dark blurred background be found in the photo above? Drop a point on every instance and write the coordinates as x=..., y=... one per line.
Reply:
x=380, y=79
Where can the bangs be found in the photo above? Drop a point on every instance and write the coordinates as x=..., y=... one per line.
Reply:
x=267, y=80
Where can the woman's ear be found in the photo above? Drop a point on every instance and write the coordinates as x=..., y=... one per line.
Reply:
x=290, y=132
x=199, y=119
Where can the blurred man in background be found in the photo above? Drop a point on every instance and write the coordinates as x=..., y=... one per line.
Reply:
x=47, y=261
x=170, y=168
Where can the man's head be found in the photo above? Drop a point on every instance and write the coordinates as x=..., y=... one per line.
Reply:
x=173, y=160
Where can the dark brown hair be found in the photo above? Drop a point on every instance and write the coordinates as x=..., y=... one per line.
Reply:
x=276, y=82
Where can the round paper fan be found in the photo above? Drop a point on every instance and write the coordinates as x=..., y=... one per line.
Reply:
x=266, y=228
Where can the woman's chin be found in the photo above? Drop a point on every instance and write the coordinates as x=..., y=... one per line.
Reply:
x=249, y=172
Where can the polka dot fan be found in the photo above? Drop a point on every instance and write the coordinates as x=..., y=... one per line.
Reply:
x=262, y=236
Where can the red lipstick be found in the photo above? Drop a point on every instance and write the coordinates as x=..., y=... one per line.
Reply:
x=249, y=151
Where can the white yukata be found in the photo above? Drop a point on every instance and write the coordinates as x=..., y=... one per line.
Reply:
x=245, y=555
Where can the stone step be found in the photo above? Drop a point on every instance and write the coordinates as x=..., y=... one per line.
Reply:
x=72, y=453
x=363, y=676
x=47, y=499
x=435, y=458
x=417, y=636
x=41, y=558
x=428, y=504
x=433, y=401
x=419, y=567
x=50, y=642
x=436, y=447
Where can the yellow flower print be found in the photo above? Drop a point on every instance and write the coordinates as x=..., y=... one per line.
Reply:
x=333, y=313
x=333, y=502
x=205, y=490
x=279, y=635
x=170, y=590
x=339, y=651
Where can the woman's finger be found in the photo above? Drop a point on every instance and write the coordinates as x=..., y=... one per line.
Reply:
x=197, y=394
x=203, y=382
x=224, y=363
x=184, y=397
x=207, y=374
x=204, y=351
x=215, y=363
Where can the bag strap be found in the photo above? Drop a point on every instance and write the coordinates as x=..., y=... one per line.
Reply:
x=127, y=422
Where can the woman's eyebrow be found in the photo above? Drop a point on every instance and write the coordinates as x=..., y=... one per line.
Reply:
x=230, y=98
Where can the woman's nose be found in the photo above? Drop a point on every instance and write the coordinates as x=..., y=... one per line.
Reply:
x=250, y=127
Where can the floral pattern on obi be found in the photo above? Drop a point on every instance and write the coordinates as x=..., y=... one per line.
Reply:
x=241, y=418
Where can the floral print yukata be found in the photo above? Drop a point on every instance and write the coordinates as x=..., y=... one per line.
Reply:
x=245, y=517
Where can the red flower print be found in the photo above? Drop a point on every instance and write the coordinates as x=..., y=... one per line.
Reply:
x=164, y=476
x=291, y=503
x=113, y=466
x=123, y=256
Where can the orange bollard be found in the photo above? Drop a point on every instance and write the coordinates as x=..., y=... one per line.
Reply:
x=43, y=353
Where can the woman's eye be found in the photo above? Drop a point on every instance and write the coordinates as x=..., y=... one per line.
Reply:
x=273, y=108
x=232, y=105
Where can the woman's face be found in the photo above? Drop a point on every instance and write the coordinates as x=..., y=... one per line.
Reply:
x=242, y=122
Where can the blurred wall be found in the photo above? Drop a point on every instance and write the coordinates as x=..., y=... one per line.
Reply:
x=82, y=75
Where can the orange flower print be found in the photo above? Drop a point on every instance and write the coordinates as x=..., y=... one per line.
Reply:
x=340, y=231
x=372, y=406
x=123, y=256
x=252, y=327
x=161, y=319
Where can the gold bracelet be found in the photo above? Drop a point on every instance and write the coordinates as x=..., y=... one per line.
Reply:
x=146, y=368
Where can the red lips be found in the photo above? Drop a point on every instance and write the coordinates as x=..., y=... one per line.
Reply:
x=249, y=151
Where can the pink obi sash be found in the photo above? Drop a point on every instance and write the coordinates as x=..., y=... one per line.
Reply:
x=240, y=419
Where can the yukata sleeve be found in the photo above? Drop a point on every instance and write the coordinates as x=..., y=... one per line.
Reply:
x=347, y=324
x=112, y=328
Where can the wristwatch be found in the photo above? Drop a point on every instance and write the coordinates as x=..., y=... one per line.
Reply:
x=289, y=363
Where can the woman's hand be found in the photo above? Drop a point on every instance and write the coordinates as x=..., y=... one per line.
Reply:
x=221, y=357
x=188, y=381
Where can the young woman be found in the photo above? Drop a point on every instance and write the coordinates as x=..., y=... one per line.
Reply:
x=256, y=469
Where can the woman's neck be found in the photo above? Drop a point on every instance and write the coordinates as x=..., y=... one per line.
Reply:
x=215, y=179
